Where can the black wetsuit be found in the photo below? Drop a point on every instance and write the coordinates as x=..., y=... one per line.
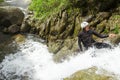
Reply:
x=86, y=38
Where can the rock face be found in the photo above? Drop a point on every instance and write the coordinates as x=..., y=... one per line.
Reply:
x=10, y=17
x=25, y=27
x=19, y=38
x=90, y=74
x=60, y=30
x=10, y=44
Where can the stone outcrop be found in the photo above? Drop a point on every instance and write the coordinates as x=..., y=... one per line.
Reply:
x=10, y=44
x=91, y=74
x=11, y=19
x=60, y=30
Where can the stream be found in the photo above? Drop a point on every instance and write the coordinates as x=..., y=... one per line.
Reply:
x=33, y=61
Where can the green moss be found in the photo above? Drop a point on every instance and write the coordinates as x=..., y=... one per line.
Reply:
x=106, y=31
x=44, y=8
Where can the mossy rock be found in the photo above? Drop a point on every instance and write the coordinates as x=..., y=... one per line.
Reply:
x=101, y=27
x=69, y=47
x=114, y=23
x=54, y=46
x=115, y=40
x=90, y=74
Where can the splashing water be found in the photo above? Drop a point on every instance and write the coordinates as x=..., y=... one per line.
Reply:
x=36, y=63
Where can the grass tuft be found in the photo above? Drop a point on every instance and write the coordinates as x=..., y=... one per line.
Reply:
x=44, y=8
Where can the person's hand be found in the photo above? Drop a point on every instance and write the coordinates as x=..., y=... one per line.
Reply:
x=112, y=35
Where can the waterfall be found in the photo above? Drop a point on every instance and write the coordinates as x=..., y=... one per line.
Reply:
x=34, y=61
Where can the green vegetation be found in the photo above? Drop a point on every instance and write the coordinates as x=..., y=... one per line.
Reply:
x=1, y=1
x=115, y=24
x=116, y=30
x=44, y=8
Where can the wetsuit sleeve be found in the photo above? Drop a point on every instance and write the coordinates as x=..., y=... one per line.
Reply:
x=99, y=35
x=79, y=42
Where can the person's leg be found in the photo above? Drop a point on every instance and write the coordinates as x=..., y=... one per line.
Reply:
x=102, y=45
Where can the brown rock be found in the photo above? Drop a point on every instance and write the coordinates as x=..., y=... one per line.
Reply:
x=10, y=15
x=25, y=27
x=13, y=29
x=90, y=74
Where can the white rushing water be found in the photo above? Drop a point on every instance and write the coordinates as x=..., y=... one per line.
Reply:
x=34, y=60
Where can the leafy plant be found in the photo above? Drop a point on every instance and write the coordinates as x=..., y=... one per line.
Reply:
x=44, y=8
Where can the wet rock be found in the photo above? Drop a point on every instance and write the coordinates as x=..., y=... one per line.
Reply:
x=55, y=46
x=42, y=30
x=25, y=27
x=104, y=15
x=101, y=27
x=19, y=38
x=9, y=16
x=77, y=25
x=48, y=25
x=115, y=40
x=91, y=74
x=13, y=29
x=89, y=18
x=7, y=48
x=4, y=37
x=69, y=48
x=10, y=44
x=64, y=16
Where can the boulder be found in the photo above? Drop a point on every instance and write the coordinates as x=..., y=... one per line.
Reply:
x=10, y=44
x=13, y=29
x=68, y=48
x=19, y=38
x=91, y=74
x=115, y=40
x=7, y=47
x=9, y=16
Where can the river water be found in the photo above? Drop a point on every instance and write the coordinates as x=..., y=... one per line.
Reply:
x=34, y=62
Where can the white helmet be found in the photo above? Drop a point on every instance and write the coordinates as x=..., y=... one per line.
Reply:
x=84, y=24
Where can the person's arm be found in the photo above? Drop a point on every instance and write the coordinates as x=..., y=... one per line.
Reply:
x=79, y=43
x=100, y=35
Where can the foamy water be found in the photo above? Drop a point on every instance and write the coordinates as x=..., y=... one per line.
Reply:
x=35, y=61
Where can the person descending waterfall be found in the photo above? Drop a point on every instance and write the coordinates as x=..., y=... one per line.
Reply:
x=85, y=37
